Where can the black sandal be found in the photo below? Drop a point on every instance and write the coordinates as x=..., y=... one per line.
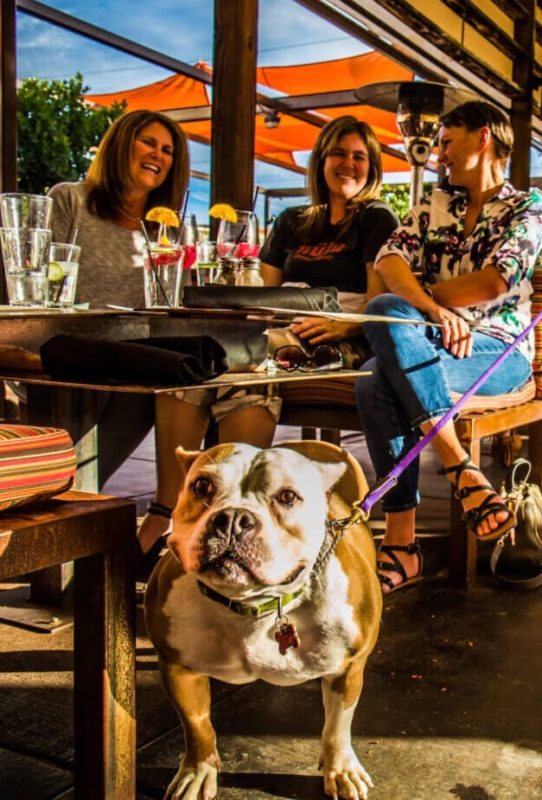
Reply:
x=145, y=562
x=395, y=566
x=488, y=507
x=159, y=509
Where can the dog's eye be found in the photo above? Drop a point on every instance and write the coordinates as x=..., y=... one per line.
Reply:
x=287, y=497
x=202, y=487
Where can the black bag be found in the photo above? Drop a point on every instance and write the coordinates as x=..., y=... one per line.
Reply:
x=516, y=560
x=292, y=297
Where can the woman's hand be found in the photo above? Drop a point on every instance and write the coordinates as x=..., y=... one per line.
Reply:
x=321, y=329
x=455, y=331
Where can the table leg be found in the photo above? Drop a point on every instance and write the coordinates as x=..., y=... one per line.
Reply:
x=104, y=676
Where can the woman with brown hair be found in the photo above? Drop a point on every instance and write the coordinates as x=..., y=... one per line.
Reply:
x=141, y=162
x=334, y=240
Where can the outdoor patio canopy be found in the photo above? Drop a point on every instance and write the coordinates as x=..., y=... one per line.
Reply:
x=188, y=101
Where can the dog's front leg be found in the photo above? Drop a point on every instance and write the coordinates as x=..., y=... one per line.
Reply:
x=196, y=778
x=344, y=776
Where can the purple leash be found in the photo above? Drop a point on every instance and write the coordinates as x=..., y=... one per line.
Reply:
x=385, y=484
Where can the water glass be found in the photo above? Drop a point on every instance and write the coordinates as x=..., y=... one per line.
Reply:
x=25, y=255
x=162, y=273
x=239, y=239
x=207, y=263
x=25, y=210
x=62, y=274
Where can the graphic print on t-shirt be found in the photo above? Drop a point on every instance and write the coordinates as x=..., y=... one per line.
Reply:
x=324, y=251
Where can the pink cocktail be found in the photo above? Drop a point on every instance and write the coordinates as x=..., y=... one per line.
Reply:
x=246, y=250
x=189, y=255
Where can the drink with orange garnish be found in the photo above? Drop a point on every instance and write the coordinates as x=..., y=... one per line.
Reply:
x=162, y=258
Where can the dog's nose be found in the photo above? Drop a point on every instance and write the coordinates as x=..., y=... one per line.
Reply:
x=232, y=522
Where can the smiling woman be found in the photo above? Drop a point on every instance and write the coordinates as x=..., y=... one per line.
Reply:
x=142, y=162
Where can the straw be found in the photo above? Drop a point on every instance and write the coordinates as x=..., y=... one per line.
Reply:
x=73, y=240
x=151, y=262
x=255, y=197
x=185, y=206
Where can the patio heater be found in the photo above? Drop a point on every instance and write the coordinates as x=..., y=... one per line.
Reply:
x=419, y=105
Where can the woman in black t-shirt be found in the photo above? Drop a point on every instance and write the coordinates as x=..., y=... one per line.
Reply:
x=334, y=240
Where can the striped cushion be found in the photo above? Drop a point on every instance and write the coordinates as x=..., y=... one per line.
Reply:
x=35, y=463
x=536, y=300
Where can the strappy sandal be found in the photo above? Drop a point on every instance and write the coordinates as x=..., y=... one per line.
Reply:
x=487, y=508
x=395, y=566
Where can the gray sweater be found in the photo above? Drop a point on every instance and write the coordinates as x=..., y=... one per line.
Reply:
x=111, y=265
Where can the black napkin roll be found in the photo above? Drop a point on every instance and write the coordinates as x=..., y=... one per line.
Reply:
x=159, y=361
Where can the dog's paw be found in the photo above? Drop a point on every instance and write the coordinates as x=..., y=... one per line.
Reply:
x=193, y=783
x=346, y=779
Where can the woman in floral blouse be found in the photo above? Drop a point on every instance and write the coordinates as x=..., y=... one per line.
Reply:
x=476, y=241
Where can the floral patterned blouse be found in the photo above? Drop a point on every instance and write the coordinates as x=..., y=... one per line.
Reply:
x=507, y=235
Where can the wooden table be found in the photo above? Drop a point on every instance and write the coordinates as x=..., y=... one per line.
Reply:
x=77, y=407
x=98, y=533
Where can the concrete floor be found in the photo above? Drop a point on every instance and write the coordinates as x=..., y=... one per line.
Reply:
x=451, y=706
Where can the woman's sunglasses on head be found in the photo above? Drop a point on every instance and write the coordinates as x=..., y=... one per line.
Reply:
x=323, y=357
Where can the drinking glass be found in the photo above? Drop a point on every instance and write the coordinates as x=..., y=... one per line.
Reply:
x=162, y=264
x=25, y=252
x=239, y=239
x=207, y=262
x=189, y=241
x=25, y=210
x=62, y=274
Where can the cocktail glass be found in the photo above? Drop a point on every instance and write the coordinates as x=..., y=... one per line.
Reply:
x=163, y=256
x=62, y=274
x=25, y=256
x=239, y=239
x=189, y=239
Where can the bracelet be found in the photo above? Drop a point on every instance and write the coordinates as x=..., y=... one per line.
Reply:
x=428, y=292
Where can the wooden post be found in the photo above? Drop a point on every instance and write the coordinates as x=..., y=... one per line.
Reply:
x=522, y=103
x=8, y=114
x=234, y=102
x=8, y=117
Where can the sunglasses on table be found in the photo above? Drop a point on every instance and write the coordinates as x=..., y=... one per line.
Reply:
x=325, y=356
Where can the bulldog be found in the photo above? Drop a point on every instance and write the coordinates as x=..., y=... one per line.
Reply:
x=258, y=583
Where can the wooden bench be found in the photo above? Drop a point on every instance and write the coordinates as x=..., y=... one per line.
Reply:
x=99, y=534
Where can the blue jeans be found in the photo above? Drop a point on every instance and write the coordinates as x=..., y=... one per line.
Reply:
x=412, y=376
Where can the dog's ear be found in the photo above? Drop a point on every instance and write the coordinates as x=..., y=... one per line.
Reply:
x=186, y=458
x=331, y=473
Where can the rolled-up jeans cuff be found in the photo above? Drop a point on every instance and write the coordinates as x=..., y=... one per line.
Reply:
x=404, y=507
x=439, y=412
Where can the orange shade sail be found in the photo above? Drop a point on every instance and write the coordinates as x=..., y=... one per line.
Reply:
x=279, y=145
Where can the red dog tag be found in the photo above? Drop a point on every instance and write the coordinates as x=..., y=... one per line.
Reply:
x=287, y=636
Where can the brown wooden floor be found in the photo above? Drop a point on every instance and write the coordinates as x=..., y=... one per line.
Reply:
x=451, y=706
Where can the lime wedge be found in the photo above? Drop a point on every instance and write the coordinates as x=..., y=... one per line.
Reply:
x=55, y=273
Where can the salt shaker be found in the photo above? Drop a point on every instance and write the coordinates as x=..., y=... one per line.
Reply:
x=249, y=272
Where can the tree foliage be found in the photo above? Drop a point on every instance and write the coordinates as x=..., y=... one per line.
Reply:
x=56, y=129
x=397, y=196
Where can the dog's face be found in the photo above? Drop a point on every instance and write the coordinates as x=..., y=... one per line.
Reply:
x=249, y=518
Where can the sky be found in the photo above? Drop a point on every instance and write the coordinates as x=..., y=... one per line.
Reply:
x=181, y=29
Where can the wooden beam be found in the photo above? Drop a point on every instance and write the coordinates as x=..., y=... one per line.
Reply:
x=522, y=103
x=8, y=101
x=234, y=102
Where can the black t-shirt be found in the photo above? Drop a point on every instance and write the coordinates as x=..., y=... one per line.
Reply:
x=335, y=258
